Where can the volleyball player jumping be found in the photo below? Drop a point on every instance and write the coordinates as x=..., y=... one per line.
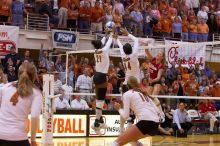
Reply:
x=101, y=56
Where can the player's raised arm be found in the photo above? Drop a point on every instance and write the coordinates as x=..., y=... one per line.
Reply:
x=136, y=43
x=108, y=44
x=148, y=54
x=103, y=40
x=120, y=47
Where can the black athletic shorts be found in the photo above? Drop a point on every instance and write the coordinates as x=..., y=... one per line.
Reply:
x=14, y=143
x=99, y=78
x=148, y=127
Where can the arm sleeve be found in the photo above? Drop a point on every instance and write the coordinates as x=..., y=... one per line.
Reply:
x=126, y=110
x=103, y=40
x=135, y=50
x=120, y=47
x=188, y=119
x=108, y=44
x=36, y=105
x=176, y=119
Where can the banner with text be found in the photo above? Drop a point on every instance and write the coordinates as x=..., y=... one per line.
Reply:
x=64, y=39
x=187, y=53
x=64, y=125
x=8, y=38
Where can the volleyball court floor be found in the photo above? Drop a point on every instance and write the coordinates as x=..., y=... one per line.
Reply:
x=191, y=140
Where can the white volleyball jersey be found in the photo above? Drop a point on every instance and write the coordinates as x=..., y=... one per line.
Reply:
x=13, y=119
x=130, y=62
x=102, y=57
x=143, y=107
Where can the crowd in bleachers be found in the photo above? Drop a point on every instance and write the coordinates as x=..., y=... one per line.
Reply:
x=188, y=20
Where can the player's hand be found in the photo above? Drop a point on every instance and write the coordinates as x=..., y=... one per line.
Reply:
x=181, y=130
x=117, y=106
x=33, y=143
x=124, y=31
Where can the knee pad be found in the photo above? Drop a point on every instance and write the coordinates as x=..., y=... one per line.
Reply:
x=131, y=119
x=101, y=93
x=124, y=88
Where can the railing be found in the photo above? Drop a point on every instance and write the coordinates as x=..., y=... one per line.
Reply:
x=37, y=22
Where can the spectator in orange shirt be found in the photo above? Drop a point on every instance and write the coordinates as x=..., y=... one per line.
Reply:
x=203, y=31
x=84, y=16
x=4, y=10
x=215, y=91
x=193, y=31
x=191, y=16
x=117, y=20
x=97, y=16
x=185, y=28
x=62, y=13
x=165, y=25
x=73, y=13
x=185, y=74
x=163, y=5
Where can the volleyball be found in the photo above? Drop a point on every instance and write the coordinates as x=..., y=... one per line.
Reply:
x=109, y=25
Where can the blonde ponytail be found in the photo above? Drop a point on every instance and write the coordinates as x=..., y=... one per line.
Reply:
x=25, y=85
x=27, y=74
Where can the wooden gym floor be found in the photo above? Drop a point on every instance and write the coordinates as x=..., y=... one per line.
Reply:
x=192, y=140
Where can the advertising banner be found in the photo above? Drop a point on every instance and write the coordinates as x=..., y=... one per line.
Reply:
x=8, y=38
x=64, y=39
x=64, y=125
x=187, y=53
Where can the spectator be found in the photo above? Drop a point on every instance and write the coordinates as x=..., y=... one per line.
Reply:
x=4, y=10
x=46, y=10
x=97, y=14
x=84, y=16
x=108, y=17
x=177, y=28
x=165, y=25
x=172, y=73
x=181, y=120
x=172, y=11
x=14, y=57
x=73, y=13
x=212, y=24
x=184, y=9
x=127, y=20
x=27, y=56
x=204, y=87
x=178, y=87
x=11, y=74
x=191, y=16
x=191, y=86
x=79, y=104
x=208, y=72
x=189, y=4
x=202, y=14
x=208, y=111
x=17, y=10
x=195, y=5
x=117, y=17
x=137, y=21
x=155, y=13
x=215, y=91
x=118, y=5
x=148, y=22
x=185, y=28
x=57, y=83
x=43, y=57
x=61, y=102
x=62, y=73
x=62, y=13
x=193, y=31
x=84, y=85
x=203, y=31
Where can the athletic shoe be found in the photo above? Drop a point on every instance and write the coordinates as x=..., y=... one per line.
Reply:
x=97, y=126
